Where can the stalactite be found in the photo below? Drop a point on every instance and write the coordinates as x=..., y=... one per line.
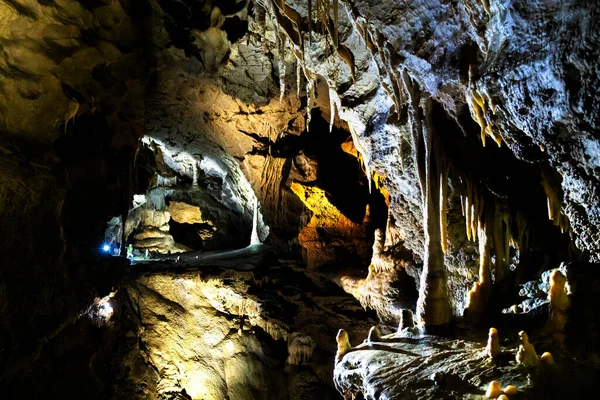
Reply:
x=475, y=210
x=444, y=206
x=415, y=129
x=282, y=40
x=370, y=42
x=332, y=93
x=298, y=76
x=433, y=307
x=335, y=23
x=310, y=93
x=468, y=198
x=555, y=213
x=479, y=107
x=310, y=21
x=486, y=6
x=522, y=228
x=501, y=242
x=348, y=58
x=479, y=294
x=353, y=20
x=363, y=155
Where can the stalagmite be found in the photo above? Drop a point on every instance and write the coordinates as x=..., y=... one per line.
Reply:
x=494, y=390
x=374, y=335
x=511, y=390
x=559, y=303
x=406, y=320
x=343, y=345
x=547, y=359
x=526, y=354
x=493, y=344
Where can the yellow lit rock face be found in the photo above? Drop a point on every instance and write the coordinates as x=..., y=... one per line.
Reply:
x=328, y=229
x=196, y=334
x=349, y=148
x=46, y=67
x=185, y=213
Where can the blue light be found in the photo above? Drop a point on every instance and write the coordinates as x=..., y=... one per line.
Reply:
x=106, y=248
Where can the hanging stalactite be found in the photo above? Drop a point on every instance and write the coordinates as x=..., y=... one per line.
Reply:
x=335, y=23
x=298, y=76
x=553, y=194
x=433, y=307
x=443, y=204
x=332, y=94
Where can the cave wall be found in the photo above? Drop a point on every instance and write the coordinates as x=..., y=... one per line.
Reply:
x=430, y=67
x=71, y=101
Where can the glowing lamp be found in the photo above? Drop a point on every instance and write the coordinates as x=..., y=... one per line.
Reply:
x=106, y=248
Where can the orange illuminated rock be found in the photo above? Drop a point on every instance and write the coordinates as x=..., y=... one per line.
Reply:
x=349, y=148
x=329, y=232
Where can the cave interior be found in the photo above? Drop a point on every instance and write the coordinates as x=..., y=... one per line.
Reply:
x=299, y=199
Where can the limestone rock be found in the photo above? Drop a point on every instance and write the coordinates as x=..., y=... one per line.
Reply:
x=185, y=213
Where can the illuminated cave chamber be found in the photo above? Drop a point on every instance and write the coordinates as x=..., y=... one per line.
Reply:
x=299, y=199
x=185, y=202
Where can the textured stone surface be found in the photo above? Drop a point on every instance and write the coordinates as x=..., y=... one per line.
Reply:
x=185, y=213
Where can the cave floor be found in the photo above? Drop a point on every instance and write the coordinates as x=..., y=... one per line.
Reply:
x=244, y=259
x=401, y=365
